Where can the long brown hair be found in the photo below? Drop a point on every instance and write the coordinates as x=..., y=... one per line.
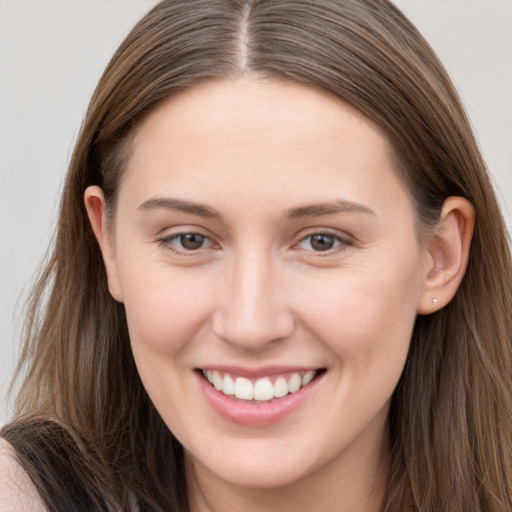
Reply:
x=451, y=414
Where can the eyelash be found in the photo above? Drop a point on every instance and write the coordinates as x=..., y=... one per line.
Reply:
x=340, y=242
x=170, y=243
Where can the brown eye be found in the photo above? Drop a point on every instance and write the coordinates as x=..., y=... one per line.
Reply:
x=191, y=241
x=186, y=243
x=322, y=242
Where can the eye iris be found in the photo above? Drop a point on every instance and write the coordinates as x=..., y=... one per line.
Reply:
x=191, y=241
x=322, y=242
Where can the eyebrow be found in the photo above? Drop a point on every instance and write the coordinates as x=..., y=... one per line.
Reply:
x=319, y=209
x=179, y=205
x=203, y=210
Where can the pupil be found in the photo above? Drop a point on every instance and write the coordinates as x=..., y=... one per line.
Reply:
x=192, y=241
x=322, y=242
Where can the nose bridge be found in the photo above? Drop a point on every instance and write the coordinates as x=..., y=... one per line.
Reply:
x=253, y=311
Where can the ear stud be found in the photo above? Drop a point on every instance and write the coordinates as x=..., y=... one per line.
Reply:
x=434, y=300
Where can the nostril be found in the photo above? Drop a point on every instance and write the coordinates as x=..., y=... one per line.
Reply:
x=252, y=331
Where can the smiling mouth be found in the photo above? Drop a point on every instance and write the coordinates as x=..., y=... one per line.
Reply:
x=263, y=389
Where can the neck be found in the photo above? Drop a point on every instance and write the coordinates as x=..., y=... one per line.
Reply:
x=359, y=485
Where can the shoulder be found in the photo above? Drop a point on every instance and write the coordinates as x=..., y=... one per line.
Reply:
x=47, y=466
x=17, y=492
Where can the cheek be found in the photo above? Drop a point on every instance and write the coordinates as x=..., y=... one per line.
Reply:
x=165, y=313
x=366, y=317
x=164, y=309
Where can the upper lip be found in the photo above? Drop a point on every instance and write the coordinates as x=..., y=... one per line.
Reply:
x=263, y=371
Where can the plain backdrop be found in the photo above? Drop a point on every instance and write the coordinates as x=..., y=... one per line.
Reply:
x=52, y=53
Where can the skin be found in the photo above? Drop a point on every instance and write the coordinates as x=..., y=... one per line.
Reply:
x=258, y=293
x=17, y=492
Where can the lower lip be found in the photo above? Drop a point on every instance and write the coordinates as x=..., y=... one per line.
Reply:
x=255, y=414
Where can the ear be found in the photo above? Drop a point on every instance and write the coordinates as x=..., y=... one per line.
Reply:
x=95, y=205
x=446, y=255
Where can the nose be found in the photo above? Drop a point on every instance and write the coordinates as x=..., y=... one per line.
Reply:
x=253, y=313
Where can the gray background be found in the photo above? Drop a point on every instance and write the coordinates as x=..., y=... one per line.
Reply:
x=53, y=52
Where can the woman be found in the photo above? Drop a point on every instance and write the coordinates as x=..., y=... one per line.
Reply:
x=271, y=287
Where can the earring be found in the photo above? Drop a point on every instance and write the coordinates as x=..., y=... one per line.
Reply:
x=434, y=300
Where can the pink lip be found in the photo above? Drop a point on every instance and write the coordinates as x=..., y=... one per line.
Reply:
x=254, y=414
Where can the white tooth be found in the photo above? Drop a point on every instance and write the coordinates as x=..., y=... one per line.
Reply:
x=263, y=389
x=294, y=383
x=280, y=387
x=244, y=388
x=228, y=386
x=217, y=380
x=209, y=376
x=308, y=377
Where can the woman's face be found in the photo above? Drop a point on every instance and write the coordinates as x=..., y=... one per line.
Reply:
x=262, y=239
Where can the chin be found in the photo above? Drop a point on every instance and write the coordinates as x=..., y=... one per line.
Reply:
x=263, y=476
x=257, y=467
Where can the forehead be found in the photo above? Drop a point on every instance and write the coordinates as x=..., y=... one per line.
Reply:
x=261, y=136
x=251, y=111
